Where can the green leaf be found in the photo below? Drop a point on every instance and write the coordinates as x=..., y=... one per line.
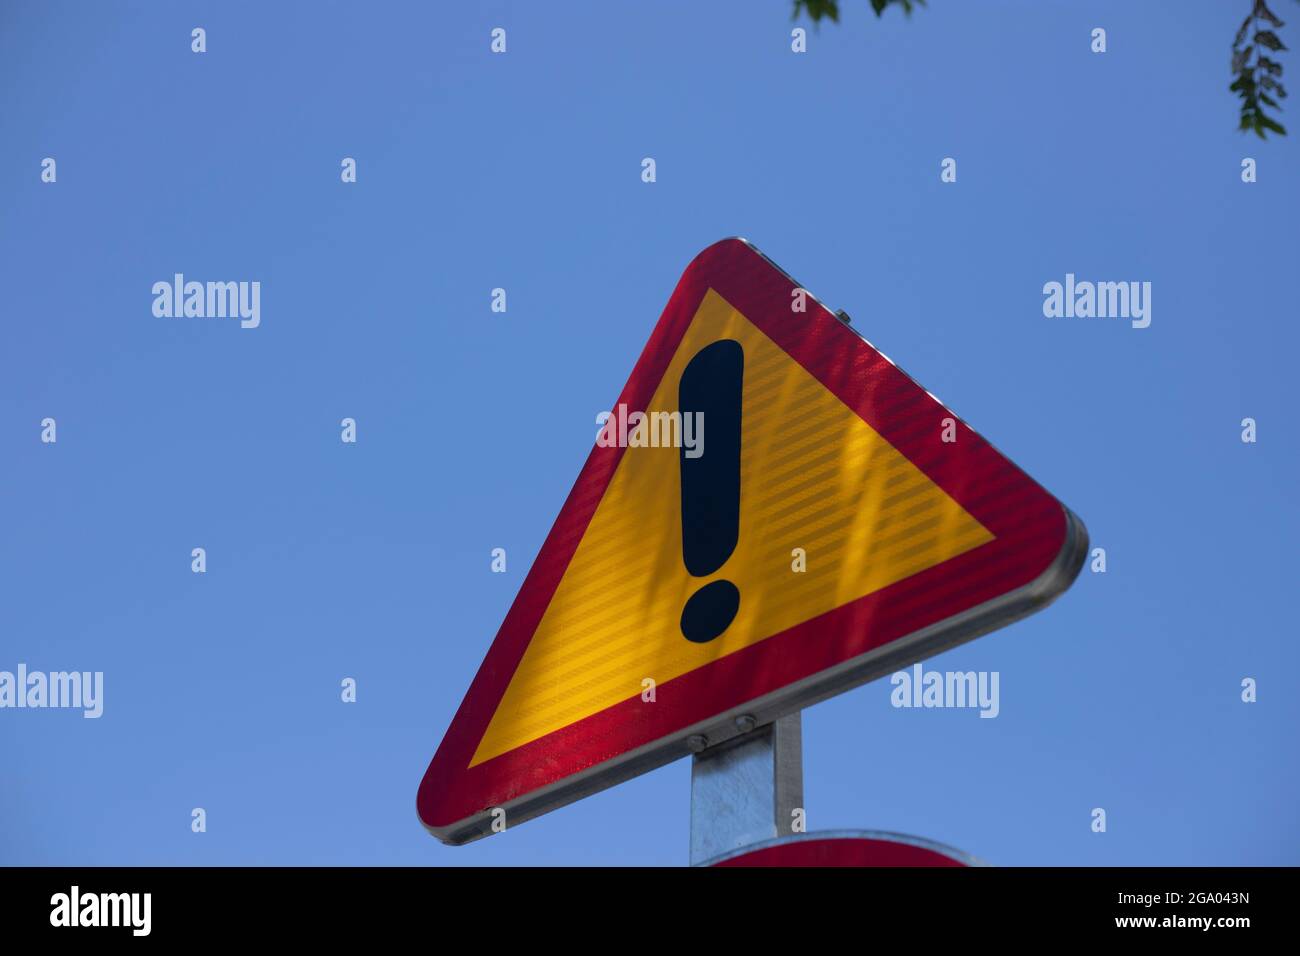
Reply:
x=818, y=9
x=1272, y=66
x=1269, y=101
x=1268, y=83
x=880, y=6
x=1269, y=39
x=1241, y=34
x=1268, y=123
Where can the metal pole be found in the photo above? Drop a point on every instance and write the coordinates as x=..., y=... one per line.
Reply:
x=747, y=789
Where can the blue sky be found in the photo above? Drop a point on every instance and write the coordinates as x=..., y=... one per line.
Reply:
x=522, y=171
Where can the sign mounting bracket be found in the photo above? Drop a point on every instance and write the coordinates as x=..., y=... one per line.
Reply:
x=747, y=790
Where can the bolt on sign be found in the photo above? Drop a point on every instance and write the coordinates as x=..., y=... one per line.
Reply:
x=828, y=523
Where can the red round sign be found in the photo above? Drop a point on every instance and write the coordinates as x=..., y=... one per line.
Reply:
x=844, y=850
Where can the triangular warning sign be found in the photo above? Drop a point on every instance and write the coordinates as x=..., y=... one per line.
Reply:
x=814, y=478
x=773, y=513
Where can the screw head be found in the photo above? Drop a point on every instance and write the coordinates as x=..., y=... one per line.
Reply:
x=697, y=742
x=745, y=723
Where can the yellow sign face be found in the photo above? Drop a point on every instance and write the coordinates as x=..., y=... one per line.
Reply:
x=813, y=477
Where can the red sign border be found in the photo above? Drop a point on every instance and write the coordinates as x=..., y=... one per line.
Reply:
x=1038, y=549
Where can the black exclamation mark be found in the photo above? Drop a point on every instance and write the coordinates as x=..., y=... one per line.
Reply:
x=711, y=388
